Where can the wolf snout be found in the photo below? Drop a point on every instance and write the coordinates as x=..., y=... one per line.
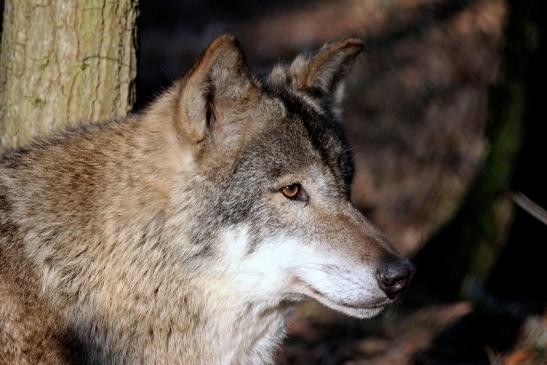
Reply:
x=394, y=275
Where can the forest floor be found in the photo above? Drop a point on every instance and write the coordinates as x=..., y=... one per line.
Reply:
x=439, y=334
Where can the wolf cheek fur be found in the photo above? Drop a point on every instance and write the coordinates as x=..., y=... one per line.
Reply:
x=166, y=238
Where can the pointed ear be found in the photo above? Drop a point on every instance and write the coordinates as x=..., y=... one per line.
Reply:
x=212, y=91
x=322, y=75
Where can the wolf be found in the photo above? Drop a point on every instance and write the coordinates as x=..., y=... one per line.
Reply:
x=186, y=234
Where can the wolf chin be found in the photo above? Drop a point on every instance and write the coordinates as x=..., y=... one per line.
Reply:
x=185, y=234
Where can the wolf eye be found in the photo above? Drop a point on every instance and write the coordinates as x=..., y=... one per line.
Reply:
x=295, y=192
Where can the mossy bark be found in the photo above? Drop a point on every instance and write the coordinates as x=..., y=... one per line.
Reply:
x=63, y=62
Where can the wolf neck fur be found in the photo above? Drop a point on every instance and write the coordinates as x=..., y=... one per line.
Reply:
x=127, y=303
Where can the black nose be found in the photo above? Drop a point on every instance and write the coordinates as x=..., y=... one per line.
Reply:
x=395, y=275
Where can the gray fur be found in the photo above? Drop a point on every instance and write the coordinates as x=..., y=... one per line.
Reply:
x=113, y=245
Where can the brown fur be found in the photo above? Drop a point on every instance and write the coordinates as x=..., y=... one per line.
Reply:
x=106, y=230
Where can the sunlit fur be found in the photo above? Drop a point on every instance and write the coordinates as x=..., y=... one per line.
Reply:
x=164, y=238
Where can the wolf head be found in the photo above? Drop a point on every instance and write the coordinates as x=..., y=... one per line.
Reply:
x=266, y=178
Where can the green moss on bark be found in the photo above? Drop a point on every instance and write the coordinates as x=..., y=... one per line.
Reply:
x=64, y=62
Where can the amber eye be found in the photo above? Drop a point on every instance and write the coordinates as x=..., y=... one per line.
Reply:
x=292, y=191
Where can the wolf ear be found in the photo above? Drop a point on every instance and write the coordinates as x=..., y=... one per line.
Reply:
x=212, y=91
x=322, y=75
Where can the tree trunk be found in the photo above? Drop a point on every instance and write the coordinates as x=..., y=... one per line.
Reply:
x=63, y=62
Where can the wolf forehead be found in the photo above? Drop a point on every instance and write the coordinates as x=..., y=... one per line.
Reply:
x=308, y=133
x=227, y=113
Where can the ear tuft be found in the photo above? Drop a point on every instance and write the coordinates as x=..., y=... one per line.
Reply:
x=212, y=88
x=328, y=67
x=224, y=54
x=321, y=76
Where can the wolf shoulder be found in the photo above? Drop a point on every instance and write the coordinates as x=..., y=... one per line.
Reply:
x=46, y=179
x=30, y=331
